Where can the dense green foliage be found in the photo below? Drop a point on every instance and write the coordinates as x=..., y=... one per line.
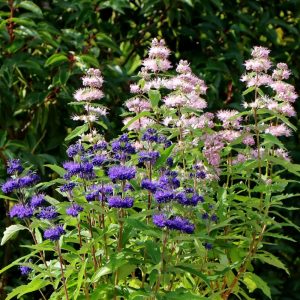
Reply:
x=46, y=46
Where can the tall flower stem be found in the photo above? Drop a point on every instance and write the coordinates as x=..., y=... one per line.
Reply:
x=162, y=264
x=252, y=250
x=62, y=270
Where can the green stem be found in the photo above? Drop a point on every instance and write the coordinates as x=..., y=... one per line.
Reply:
x=62, y=270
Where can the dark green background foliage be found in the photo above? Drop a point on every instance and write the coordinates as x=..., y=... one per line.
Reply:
x=46, y=46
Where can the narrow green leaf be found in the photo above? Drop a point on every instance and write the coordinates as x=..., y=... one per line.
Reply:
x=79, y=280
x=29, y=5
x=140, y=115
x=101, y=272
x=59, y=170
x=11, y=231
x=164, y=155
x=249, y=90
x=194, y=272
x=77, y=131
x=34, y=285
x=56, y=59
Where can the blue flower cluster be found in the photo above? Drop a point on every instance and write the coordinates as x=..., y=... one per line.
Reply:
x=13, y=184
x=122, y=149
x=25, y=270
x=74, y=210
x=174, y=223
x=151, y=135
x=148, y=156
x=14, y=166
x=99, y=192
x=119, y=202
x=54, y=233
x=121, y=173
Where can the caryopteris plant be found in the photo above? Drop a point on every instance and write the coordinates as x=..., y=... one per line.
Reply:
x=177, y=207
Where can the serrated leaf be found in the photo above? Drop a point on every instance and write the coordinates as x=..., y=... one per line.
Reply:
x=77, y=131
x=11, y=231
x=253, y=282
x=272, y=260
x=29, y=5
x=56, y=59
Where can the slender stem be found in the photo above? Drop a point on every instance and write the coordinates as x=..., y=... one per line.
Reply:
x=62, y=270
x=162, y=266
x=252, y=250
x=42, y=294
x=93, y=248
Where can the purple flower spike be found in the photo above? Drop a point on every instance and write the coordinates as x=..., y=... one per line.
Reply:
x=37, y=200
x=28, y=180
x=74, y=210
x=14, y=166
x=98, y=160
x=67, y=187
x=118, y=202
x=74, y=150
x=121, y=173
x=21, y=211
x=163, y=196
x=25, y=270
x=148, y=156
x=160, y=220
x=54, y=233
x=149, y=185
x=9, y=186
x=182, y=224
x=48, y=213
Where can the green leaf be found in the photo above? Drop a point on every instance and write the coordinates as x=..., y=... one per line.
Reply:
x=101, y=272
x=29, y=5
x=59, y=170
x=77, y=131
x=80, y=280
x=272, y=260
x=56, y=59
x=253, y=282
x=87, y=59
x=34, y=285
x=11, y=231
x=153, y=251
x=154, y=97
x=17, y=261
x=140, y=115
x=164, y=155
x=249, y=90
x=194, y=272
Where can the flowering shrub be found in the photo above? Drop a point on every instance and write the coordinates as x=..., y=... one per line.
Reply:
x=179, y=206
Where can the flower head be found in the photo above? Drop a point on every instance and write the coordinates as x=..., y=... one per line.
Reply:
x=121, y=173
x=21, y=211
x=74, y=210
x=119, y=202
x=48, y=213
x=14, y=166
x=37, y=200
x=54, y=233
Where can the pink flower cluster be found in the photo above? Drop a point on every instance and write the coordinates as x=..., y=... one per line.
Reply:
x=92, y=83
